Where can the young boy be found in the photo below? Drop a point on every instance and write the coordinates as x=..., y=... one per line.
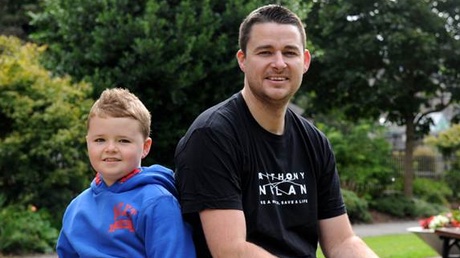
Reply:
x=129, y=210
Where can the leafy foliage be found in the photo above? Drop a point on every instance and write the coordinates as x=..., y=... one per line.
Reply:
x=432, y=191
x=178, y=56
x=399, y=59
x=26, y=231
x=43, y=158
x=357, y=208
x=363, y=157
x=402, y=207
x=448, y=143
x=14, y=20
x=364, y=52
x=395, y=204
x=157, y=49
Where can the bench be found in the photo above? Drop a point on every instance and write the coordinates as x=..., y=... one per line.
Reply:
x=450, y=238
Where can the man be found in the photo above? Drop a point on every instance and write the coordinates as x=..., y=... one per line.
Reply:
x=255, y=179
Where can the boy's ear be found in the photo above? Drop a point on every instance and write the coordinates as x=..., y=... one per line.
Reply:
x=147, y=145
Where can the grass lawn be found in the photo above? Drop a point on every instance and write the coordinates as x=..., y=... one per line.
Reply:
x=398, y=246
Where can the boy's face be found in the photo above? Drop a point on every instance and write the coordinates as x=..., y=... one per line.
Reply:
x=116, y=146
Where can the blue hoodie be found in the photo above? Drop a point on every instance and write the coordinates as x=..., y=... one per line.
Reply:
x=138, y=216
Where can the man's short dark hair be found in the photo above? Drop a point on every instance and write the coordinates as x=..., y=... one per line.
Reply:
x=269, y=13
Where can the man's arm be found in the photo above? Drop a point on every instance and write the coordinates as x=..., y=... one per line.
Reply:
x=337, y=239
x=225, y=232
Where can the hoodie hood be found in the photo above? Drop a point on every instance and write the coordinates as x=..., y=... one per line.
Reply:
x=155, y=174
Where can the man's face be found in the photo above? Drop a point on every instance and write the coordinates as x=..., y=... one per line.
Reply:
x=275, y=62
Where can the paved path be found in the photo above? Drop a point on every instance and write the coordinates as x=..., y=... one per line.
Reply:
x=386, y=228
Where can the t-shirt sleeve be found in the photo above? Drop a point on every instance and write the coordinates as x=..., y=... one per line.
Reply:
x=207, y=176
x=330, y=201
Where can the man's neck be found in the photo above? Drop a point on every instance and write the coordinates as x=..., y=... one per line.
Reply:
x=268, y=115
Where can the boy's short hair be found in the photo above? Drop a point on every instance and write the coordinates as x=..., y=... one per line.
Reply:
x=269, y=13
x=118, y=102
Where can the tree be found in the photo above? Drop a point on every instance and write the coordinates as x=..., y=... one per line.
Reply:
x=13, y=17
x=43, y=158
x=448, y=143
x=396, y=58
x=171, y=54
x=178, y=56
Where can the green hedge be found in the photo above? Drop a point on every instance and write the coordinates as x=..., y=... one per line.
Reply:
x=25, y=230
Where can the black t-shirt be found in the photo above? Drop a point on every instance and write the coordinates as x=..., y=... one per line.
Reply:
x=283, y=183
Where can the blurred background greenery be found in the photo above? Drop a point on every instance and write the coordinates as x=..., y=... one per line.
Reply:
x=381, y=71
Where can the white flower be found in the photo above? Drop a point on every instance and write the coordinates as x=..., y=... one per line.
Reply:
x=439, y=221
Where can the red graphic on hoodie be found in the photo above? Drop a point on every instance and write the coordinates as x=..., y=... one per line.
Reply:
x=122, y=216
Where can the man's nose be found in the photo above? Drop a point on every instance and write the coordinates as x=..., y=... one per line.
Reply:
x=278, y=60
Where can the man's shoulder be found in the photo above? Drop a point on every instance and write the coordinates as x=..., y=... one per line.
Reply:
x=308, y=129
x=305, y=122
x=219, y=115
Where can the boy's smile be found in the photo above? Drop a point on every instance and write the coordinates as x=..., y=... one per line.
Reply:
x=115, y=146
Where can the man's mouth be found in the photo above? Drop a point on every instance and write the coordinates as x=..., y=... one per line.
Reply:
x=277, y=78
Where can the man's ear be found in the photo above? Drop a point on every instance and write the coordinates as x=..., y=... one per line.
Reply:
x=307, y=61
x=240, y=56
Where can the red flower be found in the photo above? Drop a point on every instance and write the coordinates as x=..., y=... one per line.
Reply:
x=424, y=223
x=455, y=223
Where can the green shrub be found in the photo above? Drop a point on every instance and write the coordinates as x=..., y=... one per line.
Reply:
x=394, y=204
x=432, y=191
x=424, y=209
x=403, y=207
x=26, y=231
x=357, y=208
x=42, y=131
x=452, y=179
x=448, y=143
x=363, y=156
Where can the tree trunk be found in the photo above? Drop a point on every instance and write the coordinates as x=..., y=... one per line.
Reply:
x=408, y=158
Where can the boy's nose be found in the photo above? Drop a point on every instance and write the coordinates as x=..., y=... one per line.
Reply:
x=111, y=146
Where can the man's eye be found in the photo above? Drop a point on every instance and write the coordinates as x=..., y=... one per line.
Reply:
x=290, y=53
x=264, y=53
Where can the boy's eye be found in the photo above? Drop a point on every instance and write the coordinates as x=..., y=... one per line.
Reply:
x=99, y=140
x=124, y=141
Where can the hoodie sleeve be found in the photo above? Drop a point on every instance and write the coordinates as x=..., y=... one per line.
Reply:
x=165, y=232
x=63, y=247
